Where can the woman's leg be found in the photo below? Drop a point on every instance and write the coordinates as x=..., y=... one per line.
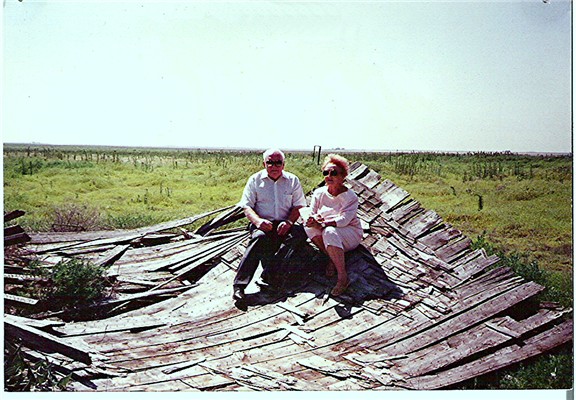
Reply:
x=335, y=249
x=337, y=256
x=319, y=242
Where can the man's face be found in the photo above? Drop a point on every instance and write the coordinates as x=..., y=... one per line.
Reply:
x=274, y=166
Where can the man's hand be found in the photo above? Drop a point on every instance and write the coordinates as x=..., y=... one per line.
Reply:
x=264, y=225
x=283, y=228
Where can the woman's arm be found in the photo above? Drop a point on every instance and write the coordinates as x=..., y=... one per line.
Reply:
x=348, y=211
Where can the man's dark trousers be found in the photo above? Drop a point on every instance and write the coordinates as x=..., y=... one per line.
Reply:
x=270, y=249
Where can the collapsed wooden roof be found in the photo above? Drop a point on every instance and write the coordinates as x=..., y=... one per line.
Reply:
x=424, y=310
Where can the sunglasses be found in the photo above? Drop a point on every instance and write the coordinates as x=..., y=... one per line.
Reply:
x=274, y=163
x=332, y=172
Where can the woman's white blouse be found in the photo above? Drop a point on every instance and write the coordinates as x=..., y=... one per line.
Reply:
x=342, y=209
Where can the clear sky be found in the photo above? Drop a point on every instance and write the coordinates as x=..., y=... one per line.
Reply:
x=374, y=75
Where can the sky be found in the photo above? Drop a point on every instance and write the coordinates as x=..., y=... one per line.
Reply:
x=359, y=75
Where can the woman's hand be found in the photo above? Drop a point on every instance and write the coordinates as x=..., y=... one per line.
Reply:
x=315, y=221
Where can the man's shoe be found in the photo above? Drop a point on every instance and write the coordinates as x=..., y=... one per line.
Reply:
x=238, y=294
x=262, y=284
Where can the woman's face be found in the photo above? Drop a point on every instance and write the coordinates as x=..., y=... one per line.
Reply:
x=333, y=175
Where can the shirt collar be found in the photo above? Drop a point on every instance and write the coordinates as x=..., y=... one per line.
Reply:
x=264, y=175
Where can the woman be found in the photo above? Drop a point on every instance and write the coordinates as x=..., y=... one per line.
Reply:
x=333, y=225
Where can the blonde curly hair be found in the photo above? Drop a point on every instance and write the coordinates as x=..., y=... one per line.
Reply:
x=338, y=161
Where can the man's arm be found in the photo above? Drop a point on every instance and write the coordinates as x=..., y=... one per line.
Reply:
x=285, y=226
x=294, y=215
x=260, y=223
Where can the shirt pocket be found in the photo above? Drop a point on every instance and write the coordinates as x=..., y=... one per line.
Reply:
x=287, y=199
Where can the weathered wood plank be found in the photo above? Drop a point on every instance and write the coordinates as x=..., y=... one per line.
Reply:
x=140, y=381
x=61, y=238
x=541, y=318
x=229, y=215
x=86, y=252
x=112, y=255
x=441, y=237
x=410, y=325
x=17, y=238
x=209, y=381
x=453, y=250
x=370, y=179
x=369, y=216
x=208, y=347
x=208, y=252
x=340, y=370
x=21, y=278
x=503, y=358
x=36, y=323
x=148, y=253
x=491, y=279
x=460, y=322
x=36, y=338
x=357, y=170
x=260, y=378
x=390, y=195
x=477, y=340
x=406, y=211
x=211, y=333
x=13, y=230
x=19, y=301
x=228, y=323
x=476, y=266
x=422, y=223
x=155, y=260
x=105, y=329
x=119, y=303
x=9, y=216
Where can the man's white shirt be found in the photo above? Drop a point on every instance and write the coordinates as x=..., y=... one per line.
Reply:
x=271, y=199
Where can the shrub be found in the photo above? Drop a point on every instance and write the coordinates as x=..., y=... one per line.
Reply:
x=21, y=375
x=75, y=218
x=77, y=282
x=68, y=284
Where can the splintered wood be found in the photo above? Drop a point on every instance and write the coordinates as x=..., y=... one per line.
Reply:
x=424, y=310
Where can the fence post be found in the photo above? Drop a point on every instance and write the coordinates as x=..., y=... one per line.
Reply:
x=314, y=153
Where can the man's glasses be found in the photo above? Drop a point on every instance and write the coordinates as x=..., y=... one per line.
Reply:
x=274, y=163
x=332, y=172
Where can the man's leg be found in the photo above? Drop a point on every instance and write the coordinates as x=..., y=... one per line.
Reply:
x=285, y=248
x=255, y=251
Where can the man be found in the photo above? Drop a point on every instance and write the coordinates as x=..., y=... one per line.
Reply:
x=270, y=200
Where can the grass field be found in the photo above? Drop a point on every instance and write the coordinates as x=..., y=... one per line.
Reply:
x=519, y=203
x=518, y=206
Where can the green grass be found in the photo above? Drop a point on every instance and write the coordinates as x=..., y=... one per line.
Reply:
x=520, y=203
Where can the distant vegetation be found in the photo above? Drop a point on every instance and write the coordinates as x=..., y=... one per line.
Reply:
x=517, y=206
x=518, y=202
